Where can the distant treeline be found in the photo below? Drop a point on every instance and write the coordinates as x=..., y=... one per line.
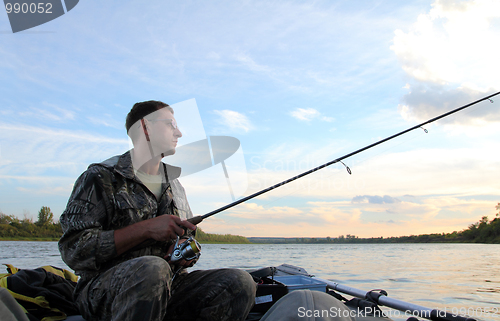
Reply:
x=45, y=229
x=203, y=237
x=12, y=228
x=484, y=231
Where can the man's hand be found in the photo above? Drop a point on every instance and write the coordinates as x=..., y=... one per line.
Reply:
x=161, y=228
x=167, y=227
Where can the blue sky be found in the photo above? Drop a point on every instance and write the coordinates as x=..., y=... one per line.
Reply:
x=298, y=83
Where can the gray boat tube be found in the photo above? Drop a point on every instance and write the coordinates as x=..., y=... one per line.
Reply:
x=410, y=309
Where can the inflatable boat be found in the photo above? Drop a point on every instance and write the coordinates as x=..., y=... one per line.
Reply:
x=374, y=305
x=275, y=287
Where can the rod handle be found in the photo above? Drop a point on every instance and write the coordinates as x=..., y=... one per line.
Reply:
x=195, y=220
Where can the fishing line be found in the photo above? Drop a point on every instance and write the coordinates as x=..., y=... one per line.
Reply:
x=198, y=219
x=470, y=111
x=425, y=131
x=326, y=177
x=284, y=196
x=362, y=161
x=348, y=169
x=392, y=147
x=264, y=204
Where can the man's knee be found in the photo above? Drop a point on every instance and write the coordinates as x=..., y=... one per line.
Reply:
x=145, y=290
x=149, y=270
x=222, y=294
x=119, y=289
x=242, y=280
x=243, y=289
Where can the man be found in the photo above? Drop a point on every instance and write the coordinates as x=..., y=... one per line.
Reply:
x=120, y=224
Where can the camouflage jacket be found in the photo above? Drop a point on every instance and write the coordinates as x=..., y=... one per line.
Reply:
x=107, y=197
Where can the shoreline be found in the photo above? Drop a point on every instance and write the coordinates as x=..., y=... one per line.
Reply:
x=28, y=239
x=261, y=243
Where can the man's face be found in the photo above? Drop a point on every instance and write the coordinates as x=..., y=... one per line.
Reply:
x=162, y=134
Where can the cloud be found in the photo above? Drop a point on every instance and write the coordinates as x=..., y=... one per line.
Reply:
x=252, y=211
x=213, y=55
x=334, y=218
x=451, y=171
x=375, y=199
x=38, y=165
x=250, y=63
x=209, y=50
x=428, y=101
x=234, y=120
x=452, y=44
x=32, y=151
x=106, y=120
x=62, y=190
x=305, y=114
x=309, y=114
x=449, y=55
x=54, y=113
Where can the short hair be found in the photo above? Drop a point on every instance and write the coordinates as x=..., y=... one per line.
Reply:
x=142, y=109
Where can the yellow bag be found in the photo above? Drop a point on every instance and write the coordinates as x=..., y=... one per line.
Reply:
x=45, y=293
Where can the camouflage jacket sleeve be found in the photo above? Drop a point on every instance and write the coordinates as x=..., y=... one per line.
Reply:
x=86, y=244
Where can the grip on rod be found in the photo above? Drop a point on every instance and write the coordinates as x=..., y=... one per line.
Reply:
x=195, y=220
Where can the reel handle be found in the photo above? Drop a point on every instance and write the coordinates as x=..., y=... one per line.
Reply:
x=189, y=250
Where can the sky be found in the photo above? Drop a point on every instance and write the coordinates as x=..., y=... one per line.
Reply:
x=297, y=83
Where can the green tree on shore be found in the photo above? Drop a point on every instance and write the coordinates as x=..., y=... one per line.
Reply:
x=12, y=228
x=203, y=237
x=6, y=219
x=45, y=216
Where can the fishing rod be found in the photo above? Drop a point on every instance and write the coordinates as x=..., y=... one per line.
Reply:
x=198, y=219
x=379, y=297
x=410, y=309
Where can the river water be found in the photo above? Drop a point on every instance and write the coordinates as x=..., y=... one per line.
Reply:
x=455, y=277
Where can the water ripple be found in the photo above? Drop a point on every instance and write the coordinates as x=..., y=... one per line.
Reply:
x=450, y=276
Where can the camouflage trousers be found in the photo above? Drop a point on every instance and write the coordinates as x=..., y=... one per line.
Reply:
x=142, y=289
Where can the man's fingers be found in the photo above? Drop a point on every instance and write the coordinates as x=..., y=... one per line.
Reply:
x=174, y=226
x=184, y=223
x=178, y=230
x=188, y=225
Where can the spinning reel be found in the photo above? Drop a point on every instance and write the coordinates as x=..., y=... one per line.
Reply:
x=188, y=250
